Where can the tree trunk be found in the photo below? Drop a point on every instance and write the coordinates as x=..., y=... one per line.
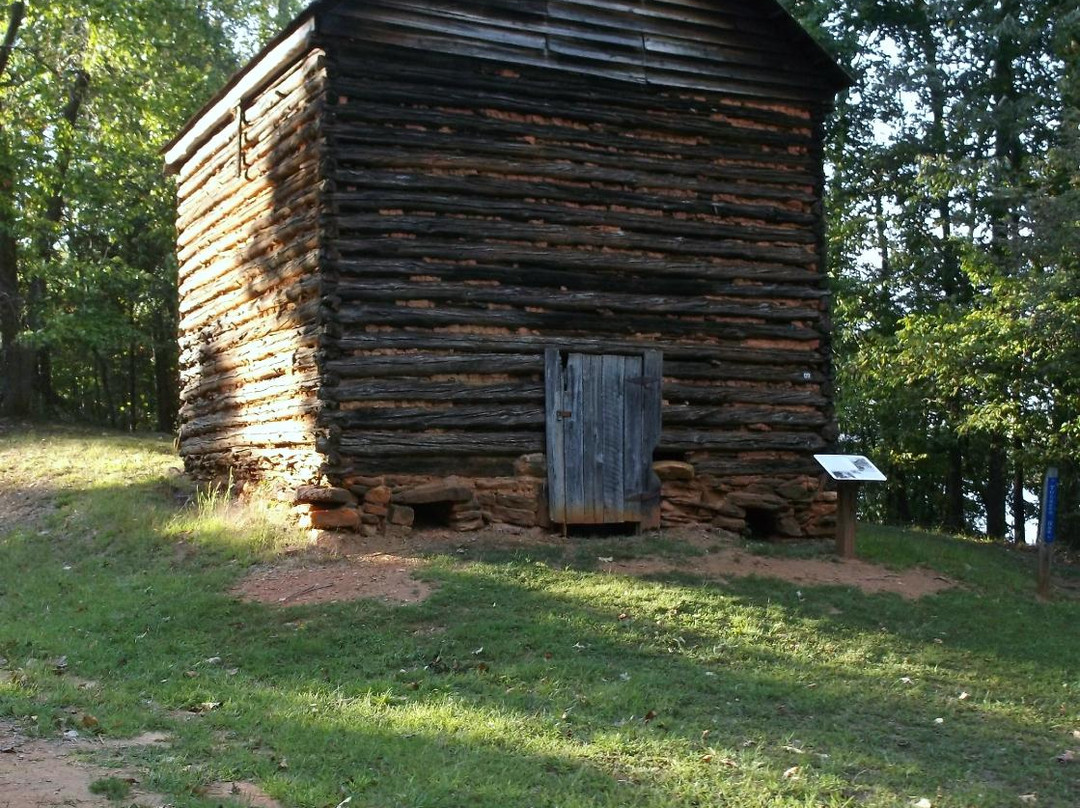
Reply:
x=106, y=387
x=165, y=386
x=16, y=12
x=1019, y=515
x=15, y=364
x=954, y=490
x=995, y=492
x=133, y=388
x=46, y=246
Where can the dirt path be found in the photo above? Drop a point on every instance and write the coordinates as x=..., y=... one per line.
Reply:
x=37, y=773
x=24, y=499
x=733, y=563
x=51, y=773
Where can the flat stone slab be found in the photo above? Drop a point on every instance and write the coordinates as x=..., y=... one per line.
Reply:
x=434, y=492
x=322, y=495
x=668, y=470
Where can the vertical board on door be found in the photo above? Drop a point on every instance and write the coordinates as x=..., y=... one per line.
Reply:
x=603, y=423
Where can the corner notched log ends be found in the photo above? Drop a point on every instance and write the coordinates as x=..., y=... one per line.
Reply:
x=392, y=215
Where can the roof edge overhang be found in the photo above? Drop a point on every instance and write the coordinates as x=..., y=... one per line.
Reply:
x=839, y=78
x=297, y=37
x=279, y=52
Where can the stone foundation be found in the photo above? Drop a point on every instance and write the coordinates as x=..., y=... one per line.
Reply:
x=794, y=506
x=763, y=507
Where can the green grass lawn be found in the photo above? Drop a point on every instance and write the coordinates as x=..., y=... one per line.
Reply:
x=523, y=681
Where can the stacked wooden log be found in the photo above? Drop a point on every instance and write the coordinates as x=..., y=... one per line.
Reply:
x=249, y=236
x=485, y=214
x=377, y=249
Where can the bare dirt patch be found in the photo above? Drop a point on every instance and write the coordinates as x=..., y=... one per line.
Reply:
x=378, y=575
x=729, y=563
x=23, y=502
x=25, y=506
x=343, y=567
x=721, y=558
x=48, y=772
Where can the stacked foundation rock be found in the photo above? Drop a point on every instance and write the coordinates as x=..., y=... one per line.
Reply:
x=781, y=507
x=371, y=505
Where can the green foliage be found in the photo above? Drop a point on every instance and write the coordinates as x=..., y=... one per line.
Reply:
x=952, y=244
x=91, y=208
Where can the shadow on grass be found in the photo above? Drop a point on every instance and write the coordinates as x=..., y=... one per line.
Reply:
x=519, y=684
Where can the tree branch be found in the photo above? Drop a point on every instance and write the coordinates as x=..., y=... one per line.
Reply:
x=16, y=12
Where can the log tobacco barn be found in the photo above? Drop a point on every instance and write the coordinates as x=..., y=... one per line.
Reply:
x=518, y=261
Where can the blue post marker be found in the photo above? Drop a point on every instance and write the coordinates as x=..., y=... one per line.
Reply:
x=1047, y=530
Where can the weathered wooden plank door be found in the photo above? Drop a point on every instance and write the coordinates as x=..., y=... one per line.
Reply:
x=603, y=422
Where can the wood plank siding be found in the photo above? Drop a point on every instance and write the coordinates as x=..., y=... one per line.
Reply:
x=421, y=198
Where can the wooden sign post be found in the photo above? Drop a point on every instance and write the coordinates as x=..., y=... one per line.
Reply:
x=850, y=472
x=1047, y=530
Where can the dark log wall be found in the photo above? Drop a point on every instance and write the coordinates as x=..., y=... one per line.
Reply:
x=376, y=256
x=249, y=237
x=483, y=212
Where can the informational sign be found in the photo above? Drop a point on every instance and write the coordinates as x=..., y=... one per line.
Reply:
x=1048, y=515
x=850, y=468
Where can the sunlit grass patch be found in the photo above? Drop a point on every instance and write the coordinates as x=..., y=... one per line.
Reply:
x=257, y=523
x=525, y=678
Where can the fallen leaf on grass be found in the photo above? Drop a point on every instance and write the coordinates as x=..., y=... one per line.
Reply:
x=205, y=707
